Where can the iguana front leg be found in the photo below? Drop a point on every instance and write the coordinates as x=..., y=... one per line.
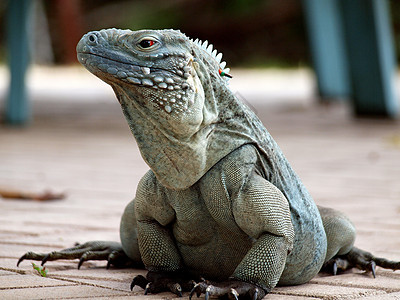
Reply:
x=156, y=243
x=256, y=275
x=162, y=259
x=262, y=212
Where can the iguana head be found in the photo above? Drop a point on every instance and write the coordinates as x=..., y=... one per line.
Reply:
x=172, y=94
x=160, y=70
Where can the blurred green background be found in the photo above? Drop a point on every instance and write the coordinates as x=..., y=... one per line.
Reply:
x=250, y=33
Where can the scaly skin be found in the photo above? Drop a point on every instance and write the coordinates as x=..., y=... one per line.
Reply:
x=220, y=200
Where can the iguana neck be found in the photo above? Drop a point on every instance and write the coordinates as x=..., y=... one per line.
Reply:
x=179, y=160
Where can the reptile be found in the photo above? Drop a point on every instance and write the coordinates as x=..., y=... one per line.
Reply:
x=220, y=212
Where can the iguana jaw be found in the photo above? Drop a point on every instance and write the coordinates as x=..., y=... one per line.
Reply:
x=118, y=68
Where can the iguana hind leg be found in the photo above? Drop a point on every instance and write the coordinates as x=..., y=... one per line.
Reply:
x=341, y=254
x=340, y=232
x=124, y=254
x=360, y=259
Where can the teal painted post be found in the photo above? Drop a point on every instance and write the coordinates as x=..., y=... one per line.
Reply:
x=328, y=52
x=17, y=110
x=371, y=56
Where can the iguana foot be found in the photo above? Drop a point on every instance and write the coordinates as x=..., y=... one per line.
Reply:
x=361, y=260
x=156, y=282
x=232, y=290
x=94, y=250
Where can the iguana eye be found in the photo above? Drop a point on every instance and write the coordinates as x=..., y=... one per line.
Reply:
x=147, y=43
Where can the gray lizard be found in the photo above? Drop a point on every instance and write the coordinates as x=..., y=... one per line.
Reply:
x=220, y=200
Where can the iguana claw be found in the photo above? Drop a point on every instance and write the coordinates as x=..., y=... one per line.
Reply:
x=233, y=294
x=48, y=256
x=207, y=295
x=255, y=295
x=82, y=260
x=334, y=268
x=373, y=268
x=109, y=262
x=146, y=290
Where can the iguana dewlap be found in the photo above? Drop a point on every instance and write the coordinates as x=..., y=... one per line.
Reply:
x=220, y=200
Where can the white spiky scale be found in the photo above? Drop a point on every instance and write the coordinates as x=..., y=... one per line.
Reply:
x=218, y=57
x=222, y=65
x=210, y=48
x=205, y=44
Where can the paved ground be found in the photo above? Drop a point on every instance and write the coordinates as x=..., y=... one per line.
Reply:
x=78, y=144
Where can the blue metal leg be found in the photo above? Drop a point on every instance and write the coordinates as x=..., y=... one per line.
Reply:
x=17, y=106
x=353, y=53
x=327, y=47
x=371, y=56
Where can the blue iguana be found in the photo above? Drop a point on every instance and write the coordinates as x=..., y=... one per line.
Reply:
x=220, y=211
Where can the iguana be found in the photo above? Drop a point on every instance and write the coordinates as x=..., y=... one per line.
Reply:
x=220, y=211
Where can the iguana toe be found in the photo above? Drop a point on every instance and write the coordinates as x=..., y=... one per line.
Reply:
x=139, y=280
x=94, y=250
x=336, y=265
x=198, y=289
x=176, y=289
x=232, y=290
x=156, y=282
x=115, y=258
x=157, y=287
x=32, y=256
x=47, y=257
x=366, y=261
